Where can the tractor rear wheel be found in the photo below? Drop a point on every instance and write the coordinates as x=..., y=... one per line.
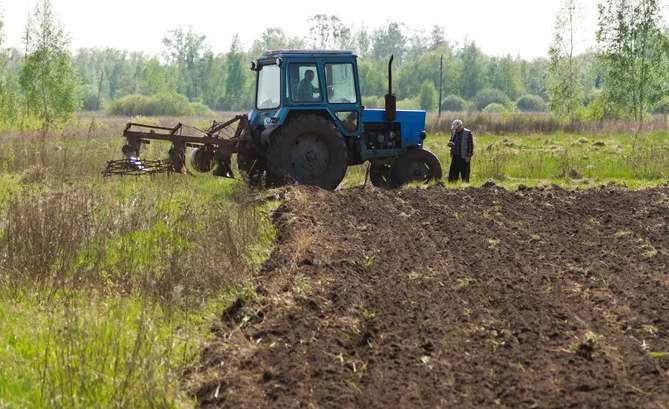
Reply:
x=309, y=150
x=416, y=165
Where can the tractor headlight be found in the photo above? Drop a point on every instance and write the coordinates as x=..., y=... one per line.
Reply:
x=423, y=135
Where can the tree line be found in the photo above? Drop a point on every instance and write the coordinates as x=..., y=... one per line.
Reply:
x=624, y=75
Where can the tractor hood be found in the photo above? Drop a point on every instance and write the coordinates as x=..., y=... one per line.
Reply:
x=412, y=123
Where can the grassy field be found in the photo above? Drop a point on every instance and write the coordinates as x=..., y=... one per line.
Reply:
x=108, y=286
x=572, y=160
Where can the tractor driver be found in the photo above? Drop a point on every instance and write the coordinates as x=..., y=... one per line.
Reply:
x=305, y=89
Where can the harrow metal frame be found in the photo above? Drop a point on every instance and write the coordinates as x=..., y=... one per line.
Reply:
x=218, y=141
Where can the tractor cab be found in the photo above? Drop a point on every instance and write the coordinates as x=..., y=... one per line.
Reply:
x=297, y=82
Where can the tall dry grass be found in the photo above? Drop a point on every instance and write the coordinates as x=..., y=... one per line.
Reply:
x=160, y=243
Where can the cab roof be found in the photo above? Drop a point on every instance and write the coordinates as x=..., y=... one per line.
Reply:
x=307, y=53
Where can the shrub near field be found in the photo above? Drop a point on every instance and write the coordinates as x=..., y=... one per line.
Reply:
x=531, y=103
x=453, y=103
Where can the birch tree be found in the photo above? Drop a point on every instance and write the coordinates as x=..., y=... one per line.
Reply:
x=48, y=78
x=631, y=48
x=563, y=84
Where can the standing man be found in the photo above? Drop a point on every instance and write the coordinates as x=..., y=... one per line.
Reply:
x=462, y=150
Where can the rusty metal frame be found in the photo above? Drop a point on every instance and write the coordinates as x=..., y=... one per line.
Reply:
x=242, y=133
x=218, y=135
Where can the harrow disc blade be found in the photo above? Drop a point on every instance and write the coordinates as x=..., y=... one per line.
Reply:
x=136, y=167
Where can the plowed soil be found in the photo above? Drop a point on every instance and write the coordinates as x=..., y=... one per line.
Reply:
x=444, y=298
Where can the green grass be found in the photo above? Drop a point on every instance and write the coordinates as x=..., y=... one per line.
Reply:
x=108, y=287
x=8, y=184
x=109, y=352
x=99, y=352
x=512, y=159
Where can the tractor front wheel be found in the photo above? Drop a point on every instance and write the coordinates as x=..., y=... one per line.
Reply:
x=416, y=165
x=309, y=150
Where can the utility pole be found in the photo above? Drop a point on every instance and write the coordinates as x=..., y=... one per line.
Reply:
x=441, y=80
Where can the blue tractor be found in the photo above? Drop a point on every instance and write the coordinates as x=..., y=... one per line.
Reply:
x=308, y=127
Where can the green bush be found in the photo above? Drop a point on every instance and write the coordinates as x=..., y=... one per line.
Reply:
x=595, y=111
x=428, y=97
x=592, y=96
x=157, y=105
x=531, y=103
x=9, y=107
x=661, y=108
x=89, y=94
x=488, y=96
x=454, y=103
x=408, y=103
x=494, y=108
x=232, y=102
x=373, y=102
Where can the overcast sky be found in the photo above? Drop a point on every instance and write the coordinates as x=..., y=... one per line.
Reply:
x=518, y=27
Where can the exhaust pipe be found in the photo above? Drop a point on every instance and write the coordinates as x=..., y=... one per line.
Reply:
x=391, y=103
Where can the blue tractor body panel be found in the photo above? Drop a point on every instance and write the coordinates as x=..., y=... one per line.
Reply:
x=412, y=123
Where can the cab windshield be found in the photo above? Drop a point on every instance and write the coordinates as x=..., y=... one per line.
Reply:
x=269, y=87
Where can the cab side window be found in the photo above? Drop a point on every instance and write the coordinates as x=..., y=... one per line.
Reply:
x=305, y=84
x=340, y=80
